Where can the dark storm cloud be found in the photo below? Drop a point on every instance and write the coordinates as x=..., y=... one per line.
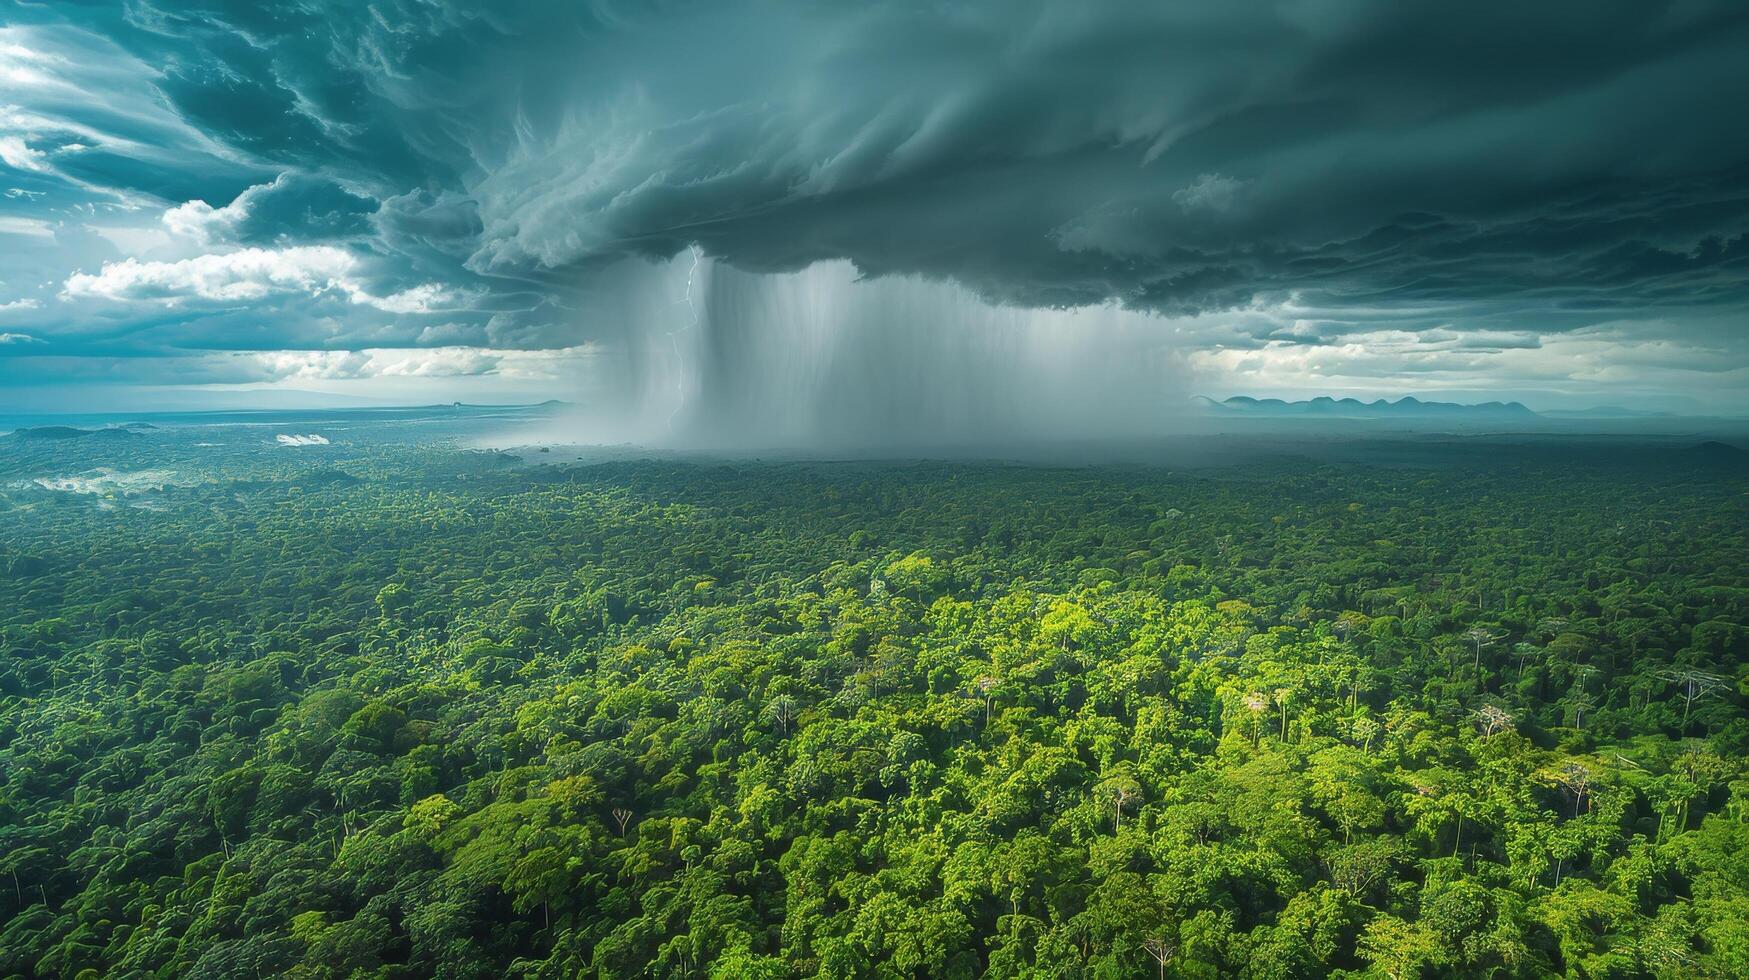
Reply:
x=1480, y=176
x=446, y=223
x=1578, y=159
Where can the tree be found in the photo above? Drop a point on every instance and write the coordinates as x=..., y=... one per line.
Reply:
x=1481, y=636
x=781, y=710
x=1575, y=778
x=986, y=685
x=1693, y=685
x=430, y=815
x=1525, y=651
x=1494, y=719
x=1356, y=867
x=1119, y=792
x=1162, y=950
x=1551, y=626
x=394, y=599
x=1399, y=949
x=541, y=877
x=1256, y=703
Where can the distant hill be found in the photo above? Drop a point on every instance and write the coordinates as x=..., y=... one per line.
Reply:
x=54, y=432
x=1715, y=453
x=49, y=432
x=1406, y=408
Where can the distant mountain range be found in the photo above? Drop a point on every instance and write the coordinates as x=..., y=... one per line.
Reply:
x=1405, y=408
x=53, y=432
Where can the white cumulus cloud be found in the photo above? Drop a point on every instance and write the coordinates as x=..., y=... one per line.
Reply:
x=247, y=274
x=426, y=298
x=434, y=362
x=203, y=222
x=253, y=274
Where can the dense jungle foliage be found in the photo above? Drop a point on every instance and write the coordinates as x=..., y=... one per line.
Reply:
x=397, y=712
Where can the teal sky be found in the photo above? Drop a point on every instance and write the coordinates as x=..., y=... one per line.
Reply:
x=270, y=202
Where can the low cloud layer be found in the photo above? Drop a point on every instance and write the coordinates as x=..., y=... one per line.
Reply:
x=251, y=275
x=1409, y=192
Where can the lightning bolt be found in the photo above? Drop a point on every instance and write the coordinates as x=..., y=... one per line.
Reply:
x=674, y=339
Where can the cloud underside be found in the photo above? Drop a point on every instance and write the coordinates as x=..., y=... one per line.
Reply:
x=1460, y=181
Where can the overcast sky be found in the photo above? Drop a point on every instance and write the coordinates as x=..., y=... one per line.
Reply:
x=508, y=200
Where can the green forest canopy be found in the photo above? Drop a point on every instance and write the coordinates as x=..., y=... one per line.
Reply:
x=423, y=714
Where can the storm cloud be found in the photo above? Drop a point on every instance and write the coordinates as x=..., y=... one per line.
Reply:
x=1307, y=174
